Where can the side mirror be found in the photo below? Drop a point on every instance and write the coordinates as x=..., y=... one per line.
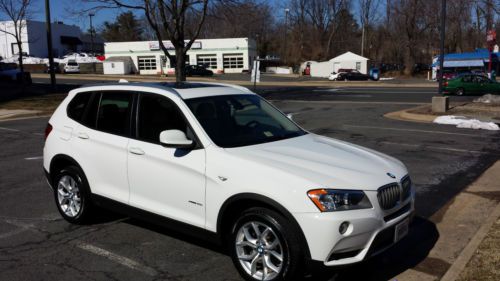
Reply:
x=175, y=139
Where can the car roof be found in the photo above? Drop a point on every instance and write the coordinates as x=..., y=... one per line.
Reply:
x=185, y=90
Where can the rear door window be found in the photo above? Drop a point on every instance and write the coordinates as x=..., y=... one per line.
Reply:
x=113, y=115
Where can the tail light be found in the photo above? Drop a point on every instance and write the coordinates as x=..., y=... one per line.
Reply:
x=48, y=129
x=445, y=83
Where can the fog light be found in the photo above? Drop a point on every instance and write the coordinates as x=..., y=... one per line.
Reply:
x=343, y=227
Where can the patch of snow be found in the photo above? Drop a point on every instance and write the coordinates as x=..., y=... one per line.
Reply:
x=463, y=122
x=386, y=78
x=78, y=57
x=488, y=98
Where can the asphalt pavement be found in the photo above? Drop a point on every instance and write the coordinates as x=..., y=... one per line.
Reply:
x=36, y=244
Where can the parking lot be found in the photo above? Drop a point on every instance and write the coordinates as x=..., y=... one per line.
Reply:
x=36, y=244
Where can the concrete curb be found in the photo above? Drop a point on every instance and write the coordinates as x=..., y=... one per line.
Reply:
x=459, y=265
x=405, y=115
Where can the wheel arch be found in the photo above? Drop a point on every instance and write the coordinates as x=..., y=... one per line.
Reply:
x=60, y=161
x=240, y=202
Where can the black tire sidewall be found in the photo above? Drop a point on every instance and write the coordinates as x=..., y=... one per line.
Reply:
x=460, y=92
x=83, y=187
x=292, y=256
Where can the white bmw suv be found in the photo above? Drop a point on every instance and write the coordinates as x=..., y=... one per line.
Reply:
x=220, y=159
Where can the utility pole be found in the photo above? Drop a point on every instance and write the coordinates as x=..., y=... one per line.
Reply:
x=362, y=39
x=441, y=54
x=92, y=40
x=49, y=45
x=286, y=29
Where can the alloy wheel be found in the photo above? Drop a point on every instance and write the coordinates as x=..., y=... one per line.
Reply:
x=68, y=196
x=259, y=250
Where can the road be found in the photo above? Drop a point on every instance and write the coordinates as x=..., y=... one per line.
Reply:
x=36, y=244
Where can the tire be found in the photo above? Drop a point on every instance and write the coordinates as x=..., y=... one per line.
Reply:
x=74, y=206
x=460, y=92
x=279, y=248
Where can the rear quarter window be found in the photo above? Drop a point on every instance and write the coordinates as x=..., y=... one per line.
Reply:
x=76, y=107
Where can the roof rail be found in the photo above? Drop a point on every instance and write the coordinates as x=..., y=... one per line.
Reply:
x=241, y=88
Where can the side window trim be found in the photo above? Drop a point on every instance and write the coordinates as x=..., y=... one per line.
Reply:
x=137, y=105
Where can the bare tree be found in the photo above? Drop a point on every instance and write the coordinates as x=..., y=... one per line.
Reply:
x=16, y=13
x=368, y=14
x=167, y=19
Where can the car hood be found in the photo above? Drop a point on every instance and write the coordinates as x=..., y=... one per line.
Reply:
x=326, y=162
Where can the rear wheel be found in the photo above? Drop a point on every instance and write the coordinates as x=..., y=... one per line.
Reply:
x=72, y=195
x=460, y=92
x=264, y=246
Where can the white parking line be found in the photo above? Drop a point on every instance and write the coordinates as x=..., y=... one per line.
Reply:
x=34, y=158
x=118, y=259
x=22, y=227
x=435, y=147
x=418, y=131
x=9, y=129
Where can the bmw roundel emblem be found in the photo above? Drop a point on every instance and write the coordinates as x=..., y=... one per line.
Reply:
x=391, y=175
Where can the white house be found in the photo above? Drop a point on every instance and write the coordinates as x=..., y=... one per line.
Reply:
x=65, y=38
x=347, y=60
x=228, y=55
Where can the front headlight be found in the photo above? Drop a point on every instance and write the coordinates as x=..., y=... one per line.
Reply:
x=328, y=200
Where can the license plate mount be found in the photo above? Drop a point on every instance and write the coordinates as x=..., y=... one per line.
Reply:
x=401, y=229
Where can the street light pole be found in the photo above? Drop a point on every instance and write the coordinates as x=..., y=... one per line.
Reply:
x=49, y=45
x=92, y=40
x=286, y=29
x=441, y=54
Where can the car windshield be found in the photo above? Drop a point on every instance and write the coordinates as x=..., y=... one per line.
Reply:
x=241, y=120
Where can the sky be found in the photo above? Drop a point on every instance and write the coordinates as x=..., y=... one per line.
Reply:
x=64, y=10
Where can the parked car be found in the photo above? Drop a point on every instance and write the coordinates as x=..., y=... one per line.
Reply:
x=10, y=72
x=353, y=76
x=195, y=70
x=471, y=84
x=220, y=160
x=71, y=67
x=56, y=67
x=334, y=75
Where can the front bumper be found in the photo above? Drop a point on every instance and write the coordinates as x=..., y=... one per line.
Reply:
x=370, y=232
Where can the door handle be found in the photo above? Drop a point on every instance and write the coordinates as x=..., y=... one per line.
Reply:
x=83, y=135
x=136, y=151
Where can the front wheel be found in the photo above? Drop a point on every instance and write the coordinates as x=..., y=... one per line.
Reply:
x=264, y=246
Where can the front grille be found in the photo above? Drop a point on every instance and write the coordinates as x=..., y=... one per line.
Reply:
x=406, y=185
x=389, y=196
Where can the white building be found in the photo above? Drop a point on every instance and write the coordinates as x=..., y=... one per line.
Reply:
x=347, y=60
x=65, y=38
x=229, y=55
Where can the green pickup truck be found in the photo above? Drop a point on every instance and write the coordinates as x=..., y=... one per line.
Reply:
x=471, y=84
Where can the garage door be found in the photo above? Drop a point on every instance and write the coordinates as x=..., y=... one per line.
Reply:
x=147, y=65
x=233, y=63
x=210, y=61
